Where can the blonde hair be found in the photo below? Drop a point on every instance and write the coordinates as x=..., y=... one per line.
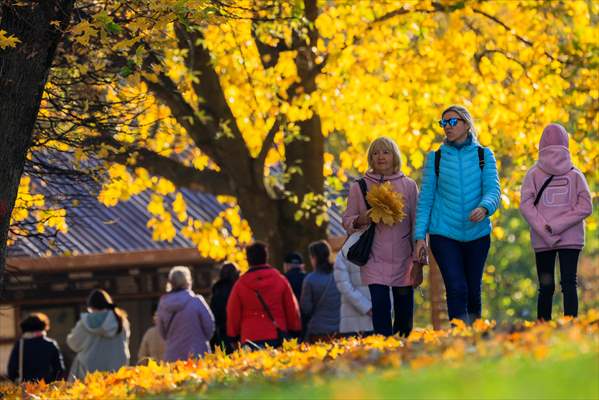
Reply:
x=387, y=144
x=464, y=114
x=179, y=277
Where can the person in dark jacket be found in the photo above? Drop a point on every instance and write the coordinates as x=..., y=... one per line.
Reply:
x=221, y=291
x=42, y=358
x=321, y=300
x=262, y=308
x=293, y=265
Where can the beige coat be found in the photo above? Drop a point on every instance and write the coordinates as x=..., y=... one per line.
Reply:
x=152, y=346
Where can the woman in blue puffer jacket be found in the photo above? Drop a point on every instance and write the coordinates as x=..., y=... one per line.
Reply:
x=459, y=192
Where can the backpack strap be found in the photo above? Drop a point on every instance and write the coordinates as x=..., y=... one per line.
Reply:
x=481, y=157
x=437, y=161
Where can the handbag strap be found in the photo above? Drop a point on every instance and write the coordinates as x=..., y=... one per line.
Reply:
x=364, y=189
x=545, y=184
x=267, y=310
x=323, y=293
x=21, y=351
x=321, y=297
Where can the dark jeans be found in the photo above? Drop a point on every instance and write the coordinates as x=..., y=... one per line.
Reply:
x=462, y=265
x=568, y=262
x=403, y=308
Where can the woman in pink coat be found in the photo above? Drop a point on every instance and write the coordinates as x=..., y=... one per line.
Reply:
x=390, y=261
x=555, y=200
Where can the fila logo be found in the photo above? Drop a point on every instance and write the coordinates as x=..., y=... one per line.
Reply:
x=557, y=193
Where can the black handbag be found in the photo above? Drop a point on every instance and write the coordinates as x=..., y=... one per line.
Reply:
x=359, y=252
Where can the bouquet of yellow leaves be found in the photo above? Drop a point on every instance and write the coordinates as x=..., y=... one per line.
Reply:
x=387, y=205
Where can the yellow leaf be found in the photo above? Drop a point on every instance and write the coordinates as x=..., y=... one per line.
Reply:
x=8, y=41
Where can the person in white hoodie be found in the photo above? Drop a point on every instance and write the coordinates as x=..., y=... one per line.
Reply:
x=100, y=338
x=356, y=307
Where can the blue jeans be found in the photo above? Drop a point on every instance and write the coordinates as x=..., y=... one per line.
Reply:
x=462, y=265
x=403, y=308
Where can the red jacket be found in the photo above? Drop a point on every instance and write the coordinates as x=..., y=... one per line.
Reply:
x=246, y=316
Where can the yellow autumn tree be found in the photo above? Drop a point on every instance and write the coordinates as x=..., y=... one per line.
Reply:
x=268, y=103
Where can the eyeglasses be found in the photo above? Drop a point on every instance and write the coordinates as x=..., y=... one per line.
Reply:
x=451, y=121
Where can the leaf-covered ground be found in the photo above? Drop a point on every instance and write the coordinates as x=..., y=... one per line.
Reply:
x=553, y=360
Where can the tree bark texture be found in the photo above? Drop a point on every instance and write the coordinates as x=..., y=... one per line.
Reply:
x=23, y=73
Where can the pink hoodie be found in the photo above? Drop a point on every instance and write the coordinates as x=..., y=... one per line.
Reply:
x=564, y=204
x=390, y=262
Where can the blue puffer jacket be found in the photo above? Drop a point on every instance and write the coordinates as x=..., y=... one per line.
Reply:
x=444, y=207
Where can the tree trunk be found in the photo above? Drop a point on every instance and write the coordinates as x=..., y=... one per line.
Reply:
x=272, y=221
x=23, y=73
x=308, y=155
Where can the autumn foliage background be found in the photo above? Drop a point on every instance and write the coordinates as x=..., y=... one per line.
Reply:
x=270, y=106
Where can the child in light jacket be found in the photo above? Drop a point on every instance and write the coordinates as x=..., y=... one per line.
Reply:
x=555, y=200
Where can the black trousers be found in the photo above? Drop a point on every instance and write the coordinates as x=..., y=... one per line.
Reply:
x=568, y=262
x=403, y=308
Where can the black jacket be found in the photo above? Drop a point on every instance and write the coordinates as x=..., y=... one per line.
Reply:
x=296, y=277
x=41, y=360
x=218, y=304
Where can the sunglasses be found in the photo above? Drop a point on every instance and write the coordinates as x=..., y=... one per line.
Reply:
x=451, y=122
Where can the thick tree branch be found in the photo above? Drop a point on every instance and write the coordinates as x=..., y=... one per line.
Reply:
x=180, y=175
x=269, y=55
x=437, y=7
x=224, y=138
x=268, y=143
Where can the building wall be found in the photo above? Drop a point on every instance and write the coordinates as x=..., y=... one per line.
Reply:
x=137, y=291
x=7, y=334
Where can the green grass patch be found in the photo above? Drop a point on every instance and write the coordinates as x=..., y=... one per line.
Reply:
x=507, y=378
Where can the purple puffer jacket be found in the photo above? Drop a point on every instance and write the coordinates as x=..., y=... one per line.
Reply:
x=186, y=324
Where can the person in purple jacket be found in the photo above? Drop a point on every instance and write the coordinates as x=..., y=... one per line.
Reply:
x=185, y=321
x=555, y=200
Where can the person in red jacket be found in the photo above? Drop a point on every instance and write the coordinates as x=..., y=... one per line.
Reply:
x=262, y=308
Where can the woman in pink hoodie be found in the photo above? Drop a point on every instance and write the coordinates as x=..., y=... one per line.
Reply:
x=390, y=263
x=555, y=200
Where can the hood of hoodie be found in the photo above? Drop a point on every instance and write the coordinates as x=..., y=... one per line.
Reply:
x=376, y=178
x=175, y=301
x=101, y=323
x=554, y=151
x=261, y=278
